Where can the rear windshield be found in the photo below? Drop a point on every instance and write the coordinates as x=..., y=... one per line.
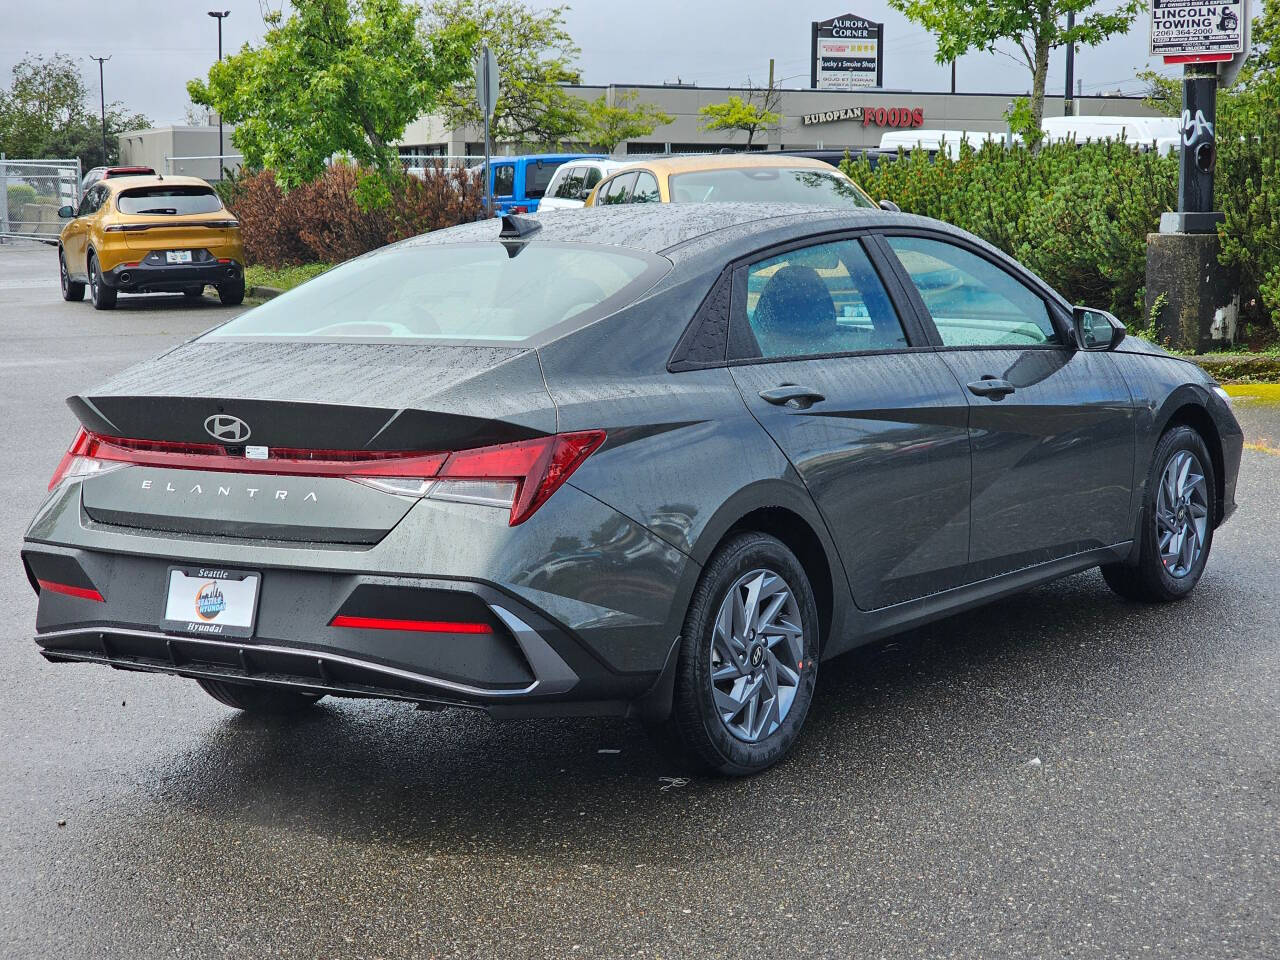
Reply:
x=768, y=184
x=464, y=291
x=538, y=174
x=169, y=201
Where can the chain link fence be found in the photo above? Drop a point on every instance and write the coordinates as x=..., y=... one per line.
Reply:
x=31, y=191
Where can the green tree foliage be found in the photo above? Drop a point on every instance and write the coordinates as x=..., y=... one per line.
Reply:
x=535, y=55
x=609, y=124
x=1034, y=27
x=48, y=111
x=336, y=77
x=1077, y=215
x=749, y=115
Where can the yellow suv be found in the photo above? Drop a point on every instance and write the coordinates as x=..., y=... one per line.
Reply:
x=150, y=235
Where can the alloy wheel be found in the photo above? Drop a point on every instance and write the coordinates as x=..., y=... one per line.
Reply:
x=93, y=278
x=757, y=651
x=1181, y=514
x=62, y=272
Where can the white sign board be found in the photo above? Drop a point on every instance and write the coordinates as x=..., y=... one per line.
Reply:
x=848, y=54
x=1193, y=29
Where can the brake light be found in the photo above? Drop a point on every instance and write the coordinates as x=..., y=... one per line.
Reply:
x=520, y=476
x=83, y=593
x=418, y=626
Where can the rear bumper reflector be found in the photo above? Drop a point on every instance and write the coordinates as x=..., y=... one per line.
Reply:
x=83, y=593
x=419, y=626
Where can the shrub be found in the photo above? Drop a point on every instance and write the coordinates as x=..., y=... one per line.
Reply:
x=322, y=221
x=19, y=194
x=1078, y=215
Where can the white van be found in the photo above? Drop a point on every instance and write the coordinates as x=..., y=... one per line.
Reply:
x=1162, y=134
x=574, y=181
x=937, y=140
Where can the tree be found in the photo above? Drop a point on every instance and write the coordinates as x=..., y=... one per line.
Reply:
x=1035, y=27
x=47, y=111
x=336, y=77
x=535, y=56
x=757, y=112
x=608, y=125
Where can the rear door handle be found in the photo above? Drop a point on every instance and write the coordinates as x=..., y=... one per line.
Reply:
x=791, y=395
x=991, y=387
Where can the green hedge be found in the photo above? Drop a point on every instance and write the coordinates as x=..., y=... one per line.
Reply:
x=19, y=194
x=1077, y=215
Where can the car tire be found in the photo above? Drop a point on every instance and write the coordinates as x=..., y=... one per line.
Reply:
x=194, y=293
x=259, y=699
x=103, y=297
x=72, y=291
x=722, y=658
x=231, y=293
x=1176, y=531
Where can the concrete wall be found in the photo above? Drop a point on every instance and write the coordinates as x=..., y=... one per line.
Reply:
x=973, y=112
x=162, y=148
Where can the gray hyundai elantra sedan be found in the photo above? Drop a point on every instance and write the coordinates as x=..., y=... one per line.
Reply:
x=658, y=462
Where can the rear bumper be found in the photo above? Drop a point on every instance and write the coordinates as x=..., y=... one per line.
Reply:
x=170, y=278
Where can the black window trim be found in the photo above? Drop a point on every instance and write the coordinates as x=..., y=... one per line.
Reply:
x=1054, y=309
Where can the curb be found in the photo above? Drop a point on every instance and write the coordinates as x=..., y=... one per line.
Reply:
x=264, y=293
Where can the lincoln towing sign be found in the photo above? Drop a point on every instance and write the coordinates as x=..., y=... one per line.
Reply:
x=1185, y=31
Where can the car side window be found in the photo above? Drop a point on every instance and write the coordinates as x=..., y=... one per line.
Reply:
x=646, y=189
x=88, y=203
x=618, y=190
x=973, y=302
x=571, y=186
x=504, y=180
x=818, y=300
x=593, y=177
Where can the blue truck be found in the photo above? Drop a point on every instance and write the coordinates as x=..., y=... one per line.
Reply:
x=518, y=183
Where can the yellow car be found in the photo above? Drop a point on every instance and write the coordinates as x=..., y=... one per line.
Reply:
x=150, y=235
x=727, y=177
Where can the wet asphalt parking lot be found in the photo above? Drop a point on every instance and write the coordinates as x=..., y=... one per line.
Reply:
x=1061, y=774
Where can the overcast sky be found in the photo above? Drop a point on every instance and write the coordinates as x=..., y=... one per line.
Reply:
x=157, y=45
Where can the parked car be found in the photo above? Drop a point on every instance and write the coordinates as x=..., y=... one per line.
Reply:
x=573, y=182
x=729, y=177
x=519, y=183
x=147, y=234
x=1162, y=134
x=106, y=173
x=660, y=462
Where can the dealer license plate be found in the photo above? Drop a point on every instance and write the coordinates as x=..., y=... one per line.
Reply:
x=211, y=601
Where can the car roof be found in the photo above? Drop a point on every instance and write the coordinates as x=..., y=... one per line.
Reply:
x=730, y=161
x=548, y=156
x=144, y=180
x=678, y=230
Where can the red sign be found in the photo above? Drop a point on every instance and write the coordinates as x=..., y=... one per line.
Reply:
x=893, y=116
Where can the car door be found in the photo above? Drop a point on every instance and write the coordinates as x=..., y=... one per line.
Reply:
x=843, y=379
x=504, y=185
x=1052, y=426
x=74, y=241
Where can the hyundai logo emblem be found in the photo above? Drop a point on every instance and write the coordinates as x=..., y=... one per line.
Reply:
x=222, y=426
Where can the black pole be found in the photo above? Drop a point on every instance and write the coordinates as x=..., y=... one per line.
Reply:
x=953, y=76
x=220, y=15
x=1071, y=67
x=102, y=104
x=1199, y=143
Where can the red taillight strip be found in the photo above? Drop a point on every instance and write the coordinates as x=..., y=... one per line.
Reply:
x=84, y=593
x=282, y=460
x=419, y=626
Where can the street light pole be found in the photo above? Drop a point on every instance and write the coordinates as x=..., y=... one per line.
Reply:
x=102, y=103
x=1071, y=66
x=219, y=15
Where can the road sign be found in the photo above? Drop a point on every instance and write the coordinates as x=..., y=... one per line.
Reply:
x=1192, y=31
x=487, y=81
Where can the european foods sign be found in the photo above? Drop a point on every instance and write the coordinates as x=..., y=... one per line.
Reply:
x=848, y=54
x=1191, y=29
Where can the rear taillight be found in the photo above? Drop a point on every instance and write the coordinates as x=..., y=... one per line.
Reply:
x=518, y=476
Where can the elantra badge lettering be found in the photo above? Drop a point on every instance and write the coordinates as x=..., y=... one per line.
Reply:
x=223, y=426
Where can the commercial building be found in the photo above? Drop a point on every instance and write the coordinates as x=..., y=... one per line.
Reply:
x=190, y=151
x=812, y=119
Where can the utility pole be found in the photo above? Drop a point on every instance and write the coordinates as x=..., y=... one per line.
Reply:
x=220, y=15
x=102, y=103
x=953, y=76
x=1067, y=106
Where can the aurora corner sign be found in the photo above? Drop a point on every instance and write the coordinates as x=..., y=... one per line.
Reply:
x=847, y=54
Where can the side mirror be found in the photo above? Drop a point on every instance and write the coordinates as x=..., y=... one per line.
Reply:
x=890, y=206
x=1096, y=329
x=66, y=212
